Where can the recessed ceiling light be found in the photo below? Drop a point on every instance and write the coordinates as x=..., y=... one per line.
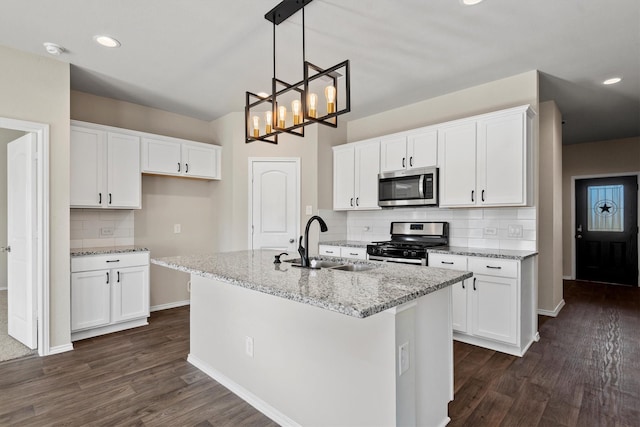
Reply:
x=107, y=41
x=612, y=81
x=53, y=48
x=470, y=2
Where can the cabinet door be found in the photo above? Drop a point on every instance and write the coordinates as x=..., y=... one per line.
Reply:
x=343, y=178
x=502, y=160
x=422, y=149
x=457, y=160
x=161, y=157
x=90, y=299
x=200, y=160
x=87, y=167
x=459, y=291
x=393, y=153
x=494, y=308
x=124, y=181
x=367, y=168
x=130, y=293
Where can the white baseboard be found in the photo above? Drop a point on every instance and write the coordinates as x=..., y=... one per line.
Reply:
x=3, y=288
x=567, y=278
x=170, y=305
x=554, y=312
x=60, y=349
x=243, y=393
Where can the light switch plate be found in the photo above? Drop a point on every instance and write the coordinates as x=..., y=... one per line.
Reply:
x=308, y=209
x=177, y=228
x=106, y=231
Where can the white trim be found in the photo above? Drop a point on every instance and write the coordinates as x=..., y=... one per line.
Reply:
x=170, y=305
x=554, y=312
x=41, y=131
x=567, y=278
x=243, y=393
x=102, y=330
x=60, y=349
x=252, y=160
x=573, y=212
x=4, y=288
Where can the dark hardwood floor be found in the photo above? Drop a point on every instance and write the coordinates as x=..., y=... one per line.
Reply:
x=585, y=371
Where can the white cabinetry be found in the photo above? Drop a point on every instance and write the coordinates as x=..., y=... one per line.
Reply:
x=497, y=308
x=409, y=150
x=104, y=169
x=171, y=156
x=108, y=293
x=355, y=175
x=485, y=160
x=343, y=251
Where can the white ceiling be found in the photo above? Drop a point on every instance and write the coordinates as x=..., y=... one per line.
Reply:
x=198, y=57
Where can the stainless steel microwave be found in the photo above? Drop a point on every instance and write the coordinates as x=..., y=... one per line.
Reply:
x=414, y=187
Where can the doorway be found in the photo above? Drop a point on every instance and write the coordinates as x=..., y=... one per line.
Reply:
x=274, y=203
x=28, y=232
x=606, y=229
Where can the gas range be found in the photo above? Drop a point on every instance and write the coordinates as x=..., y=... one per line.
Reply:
x=409, y=242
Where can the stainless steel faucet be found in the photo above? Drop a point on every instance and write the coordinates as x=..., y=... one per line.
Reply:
x=304, y=251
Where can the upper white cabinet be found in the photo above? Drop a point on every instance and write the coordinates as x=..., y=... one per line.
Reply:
x=355, y=175
x=485, y=160
x=105, y=169
x=180, y=158
x=409, y=150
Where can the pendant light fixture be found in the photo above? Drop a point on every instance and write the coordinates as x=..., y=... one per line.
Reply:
x=266, y=115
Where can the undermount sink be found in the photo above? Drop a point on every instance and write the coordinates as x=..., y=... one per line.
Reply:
x=319, y=263
x=353, y=267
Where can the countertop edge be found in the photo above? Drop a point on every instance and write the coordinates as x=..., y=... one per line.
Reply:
x=483, y=253
x=106, y=251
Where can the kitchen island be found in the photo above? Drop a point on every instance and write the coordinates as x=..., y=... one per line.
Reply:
x=324, y=347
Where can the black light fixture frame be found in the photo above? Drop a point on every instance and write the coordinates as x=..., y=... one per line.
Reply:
x=311, y=72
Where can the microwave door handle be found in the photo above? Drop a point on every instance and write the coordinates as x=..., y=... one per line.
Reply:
x=421, y=186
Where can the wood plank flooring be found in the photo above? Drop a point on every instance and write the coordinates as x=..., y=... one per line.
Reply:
x=585, y=371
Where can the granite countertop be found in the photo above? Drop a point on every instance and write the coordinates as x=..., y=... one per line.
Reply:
x=107, y=250
x=346, y=243
x=358, y=294
x=481, y=252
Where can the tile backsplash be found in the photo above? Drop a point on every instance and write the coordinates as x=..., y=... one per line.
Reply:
x=336, y=224
x=92, y=228
x=496, y=228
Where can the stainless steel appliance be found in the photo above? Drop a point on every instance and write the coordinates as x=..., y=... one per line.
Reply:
x=415, y=187
x=409, y=242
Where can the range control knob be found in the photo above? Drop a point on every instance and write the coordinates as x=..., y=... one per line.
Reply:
x=405, y=253
x=413, y=253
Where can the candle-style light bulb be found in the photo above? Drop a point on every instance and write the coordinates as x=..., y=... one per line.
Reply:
x=295, y=107
x=313, y=104
x=330, y=93
x=282, y=116
x=268, y=118
x=256, y=126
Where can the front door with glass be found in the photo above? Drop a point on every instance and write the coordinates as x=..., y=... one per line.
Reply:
x=607, y=230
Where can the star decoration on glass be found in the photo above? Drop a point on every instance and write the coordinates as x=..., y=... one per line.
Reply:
x=605, y=208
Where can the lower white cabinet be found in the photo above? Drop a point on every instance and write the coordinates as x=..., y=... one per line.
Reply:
x=343, y=251
x=108, y=293
x=497, y=307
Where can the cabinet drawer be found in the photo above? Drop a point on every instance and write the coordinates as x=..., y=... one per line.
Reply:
x=102, y=262
x=351, y=252
x=452, y=262
x=494, y=267
x=330, y=250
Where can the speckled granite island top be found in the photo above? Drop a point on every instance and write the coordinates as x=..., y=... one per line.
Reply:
x=481, y=252
x=107, y=250
x=346, y=243
x=358, y=294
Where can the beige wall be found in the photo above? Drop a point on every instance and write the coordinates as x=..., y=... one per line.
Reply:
x=165, y=200
x=550, y=208
x=593, y=158
x=6, y=136
x=35, y=88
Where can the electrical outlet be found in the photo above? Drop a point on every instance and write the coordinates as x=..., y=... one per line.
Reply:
x=177, y=228
x=403, y=358
x=514, y=231
x=490, y=231
x=248, y=346
x=106, y=231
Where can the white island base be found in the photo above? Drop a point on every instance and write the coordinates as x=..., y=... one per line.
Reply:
x=314, y=367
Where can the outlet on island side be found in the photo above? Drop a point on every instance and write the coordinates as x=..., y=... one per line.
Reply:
x=248, y=346
x=403, y=358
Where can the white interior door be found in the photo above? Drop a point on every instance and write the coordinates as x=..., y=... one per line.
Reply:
x=21, y=239
x=275, y=204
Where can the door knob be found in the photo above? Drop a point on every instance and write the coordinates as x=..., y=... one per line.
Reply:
x=291, y=240
x=5, y=249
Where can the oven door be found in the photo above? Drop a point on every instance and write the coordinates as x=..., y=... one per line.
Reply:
x=408, y=189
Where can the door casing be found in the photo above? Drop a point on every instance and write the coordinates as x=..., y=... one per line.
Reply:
x=41, y=132
x=573, y=212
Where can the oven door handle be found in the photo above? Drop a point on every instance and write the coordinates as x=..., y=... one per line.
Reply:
x=416, y=261
x=421, y=186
